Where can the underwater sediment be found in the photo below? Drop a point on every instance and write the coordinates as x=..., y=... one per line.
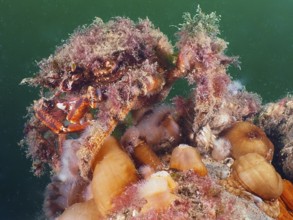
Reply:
x=116, y=151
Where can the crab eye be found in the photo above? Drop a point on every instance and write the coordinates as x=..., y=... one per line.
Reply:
x=48, y=104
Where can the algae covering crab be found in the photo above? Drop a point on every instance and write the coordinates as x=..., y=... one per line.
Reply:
x=110, y=79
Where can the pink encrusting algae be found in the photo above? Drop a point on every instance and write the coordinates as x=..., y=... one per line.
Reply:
x=115, y=151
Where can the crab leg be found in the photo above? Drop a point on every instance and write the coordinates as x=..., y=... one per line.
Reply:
x=78, y=110
x=76, y=127
x=97, y=135
x=48, y=120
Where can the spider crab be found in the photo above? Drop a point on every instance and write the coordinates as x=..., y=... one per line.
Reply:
x=107, y=71
x=90, y=85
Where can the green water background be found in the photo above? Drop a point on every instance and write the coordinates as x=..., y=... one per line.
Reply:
x=260, y=32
